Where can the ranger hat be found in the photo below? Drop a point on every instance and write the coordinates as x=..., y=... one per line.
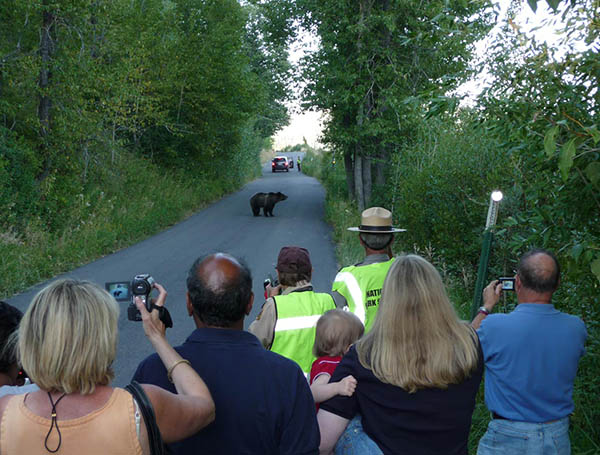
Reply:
x=376, y=220
x=293, y=259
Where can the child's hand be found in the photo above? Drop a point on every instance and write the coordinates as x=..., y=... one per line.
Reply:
x=347, y=386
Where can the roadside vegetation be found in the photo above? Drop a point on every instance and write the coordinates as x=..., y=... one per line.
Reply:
x=120, y=118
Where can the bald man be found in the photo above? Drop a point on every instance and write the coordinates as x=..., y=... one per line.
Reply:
x=262, y=400
x=531, y=357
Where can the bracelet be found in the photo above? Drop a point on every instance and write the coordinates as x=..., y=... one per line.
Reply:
x=173, y=367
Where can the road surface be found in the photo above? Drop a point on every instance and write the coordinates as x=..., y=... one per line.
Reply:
x=227, y=225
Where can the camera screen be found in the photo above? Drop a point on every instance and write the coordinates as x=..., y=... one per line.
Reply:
x=119, y=290
x=508, y=284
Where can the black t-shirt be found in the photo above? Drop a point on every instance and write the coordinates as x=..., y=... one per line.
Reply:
x=429, y=421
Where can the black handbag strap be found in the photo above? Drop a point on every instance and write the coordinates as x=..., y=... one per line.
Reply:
x=154, y=438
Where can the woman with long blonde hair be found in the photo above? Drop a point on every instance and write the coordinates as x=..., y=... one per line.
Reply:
x=418, y=372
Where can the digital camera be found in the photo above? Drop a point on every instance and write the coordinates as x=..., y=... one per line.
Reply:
x=141, y=286
x=508, y=283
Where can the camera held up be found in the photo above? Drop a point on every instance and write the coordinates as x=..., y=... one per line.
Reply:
x=141, y=286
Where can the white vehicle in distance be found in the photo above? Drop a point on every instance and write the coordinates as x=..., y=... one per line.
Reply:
x=280, y=163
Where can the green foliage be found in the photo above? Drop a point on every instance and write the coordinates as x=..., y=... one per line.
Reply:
x=118, y=94
x=377, y=60
x=18, y=190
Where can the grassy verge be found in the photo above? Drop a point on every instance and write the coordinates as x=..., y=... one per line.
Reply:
x=459, y=277
x=129, y=205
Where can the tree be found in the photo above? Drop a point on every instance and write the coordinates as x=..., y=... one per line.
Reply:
x=376, y=57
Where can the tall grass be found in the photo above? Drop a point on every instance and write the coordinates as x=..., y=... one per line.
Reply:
x=127, y=205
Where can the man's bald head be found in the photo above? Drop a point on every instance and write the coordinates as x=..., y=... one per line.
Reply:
x=219, y=288
x=539, y=271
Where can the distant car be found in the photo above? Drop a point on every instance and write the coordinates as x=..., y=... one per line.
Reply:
x=280, y=163
x=291, y=162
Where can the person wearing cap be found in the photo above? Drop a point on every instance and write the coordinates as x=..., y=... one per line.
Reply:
x=359, y=286
x=287, y=321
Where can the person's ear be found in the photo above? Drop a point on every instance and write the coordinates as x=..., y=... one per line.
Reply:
x=188, y=304
x=518, y=283
x=250, y=303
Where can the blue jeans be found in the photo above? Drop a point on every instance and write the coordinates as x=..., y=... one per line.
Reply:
x=354, y=441
x=508, y=437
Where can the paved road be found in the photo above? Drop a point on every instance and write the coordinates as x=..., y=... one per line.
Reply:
x=227, y=225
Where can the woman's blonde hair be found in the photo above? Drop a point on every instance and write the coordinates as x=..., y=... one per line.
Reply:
x=417, y=340
x=336, y=331
x=68, y=337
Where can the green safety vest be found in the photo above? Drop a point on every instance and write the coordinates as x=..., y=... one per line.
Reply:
x=297, y=316
x=361, y=286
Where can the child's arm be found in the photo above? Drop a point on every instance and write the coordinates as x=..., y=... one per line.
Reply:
x=323, y=390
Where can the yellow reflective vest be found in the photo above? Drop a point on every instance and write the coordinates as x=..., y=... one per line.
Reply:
x=297, y=316
x=361, y=286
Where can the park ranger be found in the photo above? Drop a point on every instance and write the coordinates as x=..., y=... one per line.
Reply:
x=286, y=324
x=359, y=286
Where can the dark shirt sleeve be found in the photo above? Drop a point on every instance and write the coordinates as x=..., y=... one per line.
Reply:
x=300, y=434
x=152, y=371
x=339, y=299
x=346, y=407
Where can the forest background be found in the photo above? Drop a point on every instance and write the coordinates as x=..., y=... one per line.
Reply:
x=119, y=118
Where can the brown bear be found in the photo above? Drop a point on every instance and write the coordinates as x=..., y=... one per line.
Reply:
x=267, y=201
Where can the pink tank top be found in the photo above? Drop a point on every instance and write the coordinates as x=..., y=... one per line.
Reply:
x=109, y=430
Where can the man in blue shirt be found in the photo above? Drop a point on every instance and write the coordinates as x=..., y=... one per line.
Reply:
x=263, y=402
x=531, y=357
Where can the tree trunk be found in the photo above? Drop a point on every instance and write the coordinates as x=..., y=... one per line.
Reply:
x=367, y=180
x=358, y=178
x=380, y=165
x=349, y=166
x=45, y=102
x=94, y=51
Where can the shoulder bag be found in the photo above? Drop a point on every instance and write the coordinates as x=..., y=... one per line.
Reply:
x=155, y=441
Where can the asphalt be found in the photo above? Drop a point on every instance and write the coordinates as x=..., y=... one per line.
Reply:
x=227, y=226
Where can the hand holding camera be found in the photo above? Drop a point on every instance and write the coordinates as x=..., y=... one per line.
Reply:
x=152, y=320
x=140, y=289
x=272, y=287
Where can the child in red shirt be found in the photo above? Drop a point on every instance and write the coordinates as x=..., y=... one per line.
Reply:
x=336, y=331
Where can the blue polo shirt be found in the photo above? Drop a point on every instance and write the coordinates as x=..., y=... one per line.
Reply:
x=531, y=357
x=262, y=400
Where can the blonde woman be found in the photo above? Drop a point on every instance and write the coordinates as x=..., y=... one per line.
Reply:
x=418, y=371
x=67, y=343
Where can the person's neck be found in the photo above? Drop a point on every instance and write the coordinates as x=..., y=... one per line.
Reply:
x=370, y=252
x=238, y=325
x=526, y=296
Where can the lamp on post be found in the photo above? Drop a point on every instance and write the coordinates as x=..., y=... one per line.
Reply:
x=488, y=237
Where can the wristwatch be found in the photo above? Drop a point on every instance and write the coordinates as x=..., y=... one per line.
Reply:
x=483, y=310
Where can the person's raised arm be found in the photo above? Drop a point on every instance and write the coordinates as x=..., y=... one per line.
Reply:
x=192, y=408
x=323, y=390
x=491, y=296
